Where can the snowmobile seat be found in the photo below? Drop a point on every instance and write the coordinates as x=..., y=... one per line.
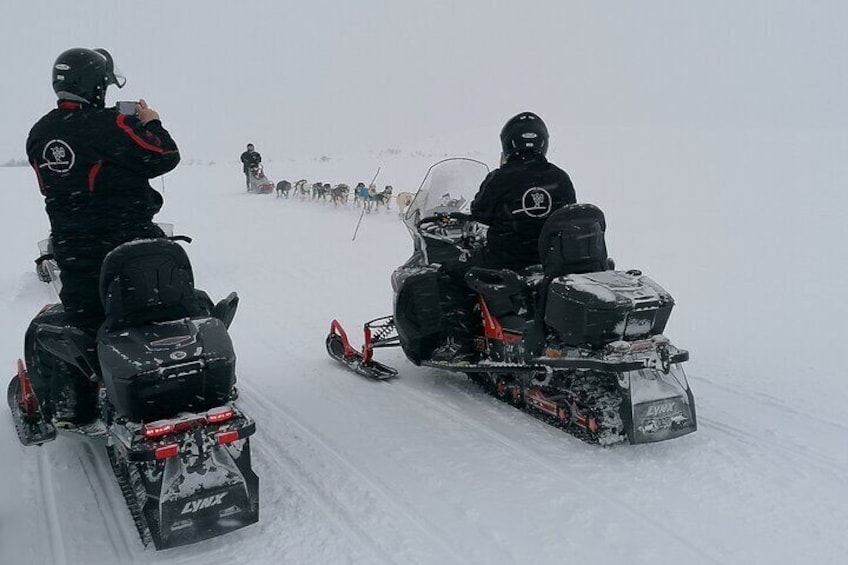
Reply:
x=506, y=295
x=572, y=241
x=148, y=280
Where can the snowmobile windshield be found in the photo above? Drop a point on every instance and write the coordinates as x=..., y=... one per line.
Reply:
x=449, y=186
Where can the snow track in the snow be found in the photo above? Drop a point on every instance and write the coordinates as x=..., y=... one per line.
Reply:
x=780, y=450
x=116, y=518
x=52, y=518
x=351, y=479
x=521, y=450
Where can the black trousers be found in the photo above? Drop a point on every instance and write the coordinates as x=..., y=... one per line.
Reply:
x=79, y=260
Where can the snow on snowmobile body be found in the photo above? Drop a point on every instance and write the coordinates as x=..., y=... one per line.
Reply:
x=165, y=371
x=582, y=351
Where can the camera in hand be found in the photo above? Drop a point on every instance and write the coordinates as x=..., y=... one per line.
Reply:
x=128, y=108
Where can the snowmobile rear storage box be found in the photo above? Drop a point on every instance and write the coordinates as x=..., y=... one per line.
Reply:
x=597, y=308
x=154, y=371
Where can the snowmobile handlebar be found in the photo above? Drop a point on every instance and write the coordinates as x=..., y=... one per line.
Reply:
x=441, y=217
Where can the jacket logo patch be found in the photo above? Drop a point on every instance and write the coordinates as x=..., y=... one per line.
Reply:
x=536, y=203
x=58, y=156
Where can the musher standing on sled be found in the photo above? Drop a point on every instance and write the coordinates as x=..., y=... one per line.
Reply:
x=514, y=201
x=249, y=159
x=93, y=165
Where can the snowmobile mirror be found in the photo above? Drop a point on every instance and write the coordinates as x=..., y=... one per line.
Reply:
x=225, y=310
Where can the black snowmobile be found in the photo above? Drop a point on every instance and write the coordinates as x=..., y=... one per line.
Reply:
x=571, y=341
x=163, y=368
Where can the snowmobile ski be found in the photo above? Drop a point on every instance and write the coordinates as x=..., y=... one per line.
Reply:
x=363, y=363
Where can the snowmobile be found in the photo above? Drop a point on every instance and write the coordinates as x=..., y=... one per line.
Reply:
x=571, y=341
x=162, y=367
x=258, y=183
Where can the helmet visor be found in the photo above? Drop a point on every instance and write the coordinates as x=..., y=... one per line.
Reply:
x=113, y=73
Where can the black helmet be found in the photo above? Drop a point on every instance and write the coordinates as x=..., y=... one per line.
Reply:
x=524, y=133
x=83, y=74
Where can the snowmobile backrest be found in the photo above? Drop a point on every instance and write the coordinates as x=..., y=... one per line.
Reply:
x=572, y=241
x=147, y=280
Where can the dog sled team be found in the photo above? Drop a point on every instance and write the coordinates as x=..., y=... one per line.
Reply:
x=369, y=197
x=341, y=194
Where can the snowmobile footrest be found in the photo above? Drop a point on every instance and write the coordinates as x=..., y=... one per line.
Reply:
x=31, y=430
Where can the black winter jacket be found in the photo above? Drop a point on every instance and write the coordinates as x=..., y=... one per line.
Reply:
x=93, y=166
x=514, y=201
x=250, y=159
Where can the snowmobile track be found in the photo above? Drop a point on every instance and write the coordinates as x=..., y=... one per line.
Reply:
x=514, y=446
x=437, y=537
x=54, y=527
x=111, y=506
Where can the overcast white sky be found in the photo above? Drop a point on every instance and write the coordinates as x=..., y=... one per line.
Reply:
x=331, y=77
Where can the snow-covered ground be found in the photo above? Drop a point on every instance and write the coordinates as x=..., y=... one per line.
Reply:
x=743, y=227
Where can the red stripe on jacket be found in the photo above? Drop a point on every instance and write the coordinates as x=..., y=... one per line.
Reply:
x=38, y=176
x=135, y=137
x=92, y=175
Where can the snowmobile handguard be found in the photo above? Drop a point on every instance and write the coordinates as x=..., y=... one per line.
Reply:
x=46, y=257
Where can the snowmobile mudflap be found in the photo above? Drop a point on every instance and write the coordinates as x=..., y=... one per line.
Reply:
x=226, y=499
x=660, y=406
x=188, y=479
x=30, y=425
x=339, y=348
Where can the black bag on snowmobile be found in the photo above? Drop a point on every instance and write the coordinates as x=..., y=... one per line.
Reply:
x=151, y=281
x=586, y=303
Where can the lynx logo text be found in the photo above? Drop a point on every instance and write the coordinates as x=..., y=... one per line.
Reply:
x=660, y=409
x=202, y=503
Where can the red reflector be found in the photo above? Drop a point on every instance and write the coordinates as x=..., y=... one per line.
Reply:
x=227, y=437
x=158, y=429
x=218, y=415
x=167, y=451
x=184, y=425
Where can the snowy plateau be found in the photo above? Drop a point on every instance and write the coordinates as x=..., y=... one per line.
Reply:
x=745, y=228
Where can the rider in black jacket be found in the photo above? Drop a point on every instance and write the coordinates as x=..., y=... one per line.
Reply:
x=250, y=159
x=513, y=201
x=93, y=165
x=516, y=199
